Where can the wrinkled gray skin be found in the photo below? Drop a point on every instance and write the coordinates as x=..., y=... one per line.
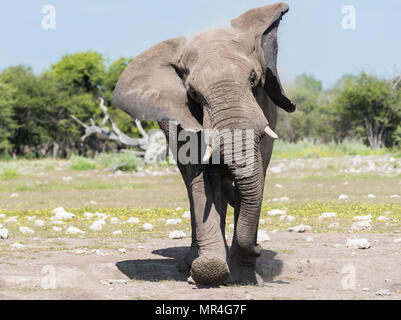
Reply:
x=221, y=79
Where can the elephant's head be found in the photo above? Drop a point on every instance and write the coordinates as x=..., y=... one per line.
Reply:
x=208, y=81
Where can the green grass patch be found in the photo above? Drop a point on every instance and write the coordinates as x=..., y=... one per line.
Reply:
x=305, y=213
x=309, y=149
x=8, y=172
x=129, y=160
x=82, y=164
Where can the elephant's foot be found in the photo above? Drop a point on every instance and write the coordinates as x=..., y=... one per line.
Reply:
x=190, y=256
x=243, y=274
x=209, y=269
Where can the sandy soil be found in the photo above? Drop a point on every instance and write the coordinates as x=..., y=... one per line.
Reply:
x=292, y=267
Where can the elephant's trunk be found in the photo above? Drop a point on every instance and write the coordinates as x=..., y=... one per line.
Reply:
x=246, y=164
x=250, y=188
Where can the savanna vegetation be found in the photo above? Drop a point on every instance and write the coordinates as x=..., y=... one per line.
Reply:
x=361, y=112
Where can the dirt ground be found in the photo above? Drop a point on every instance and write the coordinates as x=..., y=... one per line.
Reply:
x=292, y=267
x=139, y=264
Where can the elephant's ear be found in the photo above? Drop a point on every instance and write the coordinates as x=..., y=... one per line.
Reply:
x=262, y=23
x=150, y=88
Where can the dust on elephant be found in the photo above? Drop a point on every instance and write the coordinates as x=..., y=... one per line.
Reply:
x=225, y=80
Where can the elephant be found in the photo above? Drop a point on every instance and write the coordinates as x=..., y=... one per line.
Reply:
x=222, y=79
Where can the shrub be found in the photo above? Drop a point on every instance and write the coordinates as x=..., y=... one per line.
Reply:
x=82, y=163
x=128, y=158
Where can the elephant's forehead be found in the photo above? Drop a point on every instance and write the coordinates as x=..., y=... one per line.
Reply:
x=217, y=42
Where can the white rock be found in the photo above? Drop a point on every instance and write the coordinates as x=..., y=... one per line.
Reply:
x=2, y=215
x=231, y=226
x=117, y=232
x=300, y=229
x=25, y=230
x=57, y=229
x=57, y=222
x=278, y=186
x=173, y=221
x=287, y=218
x=100, y=215
x=343, y=197
x=383, y=292
x=361, y=226
x=73, y=230
x=186, y=215
x=17, y=245
x=114, y=220
x=1, y=226
x=14, y=195
x=284, y=199
x=113, y=281
x=30, y=218
x=58, y=209
x=4, y=234
x=337, y=246
x=334, y=225
x=358, y=243
x=97, y=225
x=364, y=218
x=11, y=220
x=61, y=214
x=262, y=221
x=122, y=250
x=147, y=226
x=88, y=215
x=371, y=196
x=326, y=215
x=133, y=220
x=309, y=239
x=397, y=240
x=382, y=218
x=394, y=196
x=276, y=212
x=263, y=236
x=67, y=179
x=39, y=223
x=177, y=234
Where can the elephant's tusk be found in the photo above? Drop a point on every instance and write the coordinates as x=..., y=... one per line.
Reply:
x=208, y=154
x=271, y=133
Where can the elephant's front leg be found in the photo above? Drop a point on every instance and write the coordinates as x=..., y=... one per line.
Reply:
x=210, y=267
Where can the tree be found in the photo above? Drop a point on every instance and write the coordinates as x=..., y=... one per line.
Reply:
x=313, y=116
x=367, y=102
x=6, y=121
x=82, y=72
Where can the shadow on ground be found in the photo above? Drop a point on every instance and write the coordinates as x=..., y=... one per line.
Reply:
x=166, y=269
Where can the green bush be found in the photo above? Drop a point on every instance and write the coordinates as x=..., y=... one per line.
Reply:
x=82, y=163
x=8, y=172
x=130, y=160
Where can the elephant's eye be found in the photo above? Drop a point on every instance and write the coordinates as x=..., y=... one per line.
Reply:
x=253, y=79
x=194, y=95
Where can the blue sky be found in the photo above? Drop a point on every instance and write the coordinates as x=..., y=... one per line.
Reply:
x=311, y=37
